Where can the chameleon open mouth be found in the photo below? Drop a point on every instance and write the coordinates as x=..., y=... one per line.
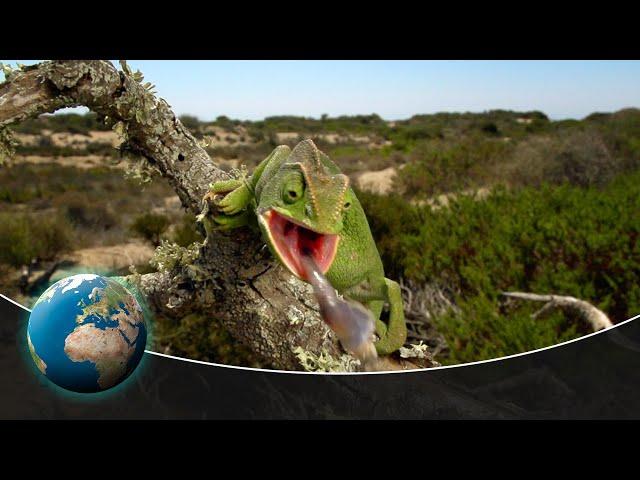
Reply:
x=292, y=240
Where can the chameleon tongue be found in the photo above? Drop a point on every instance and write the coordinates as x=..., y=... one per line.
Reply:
x=351, y=322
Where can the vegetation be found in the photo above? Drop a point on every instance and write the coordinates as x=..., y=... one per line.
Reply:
x=151, y=226
x=28, y=237
x=202, y=337
x=558, y=214
x=186, y=232
x=567, y=240
x=67, y=122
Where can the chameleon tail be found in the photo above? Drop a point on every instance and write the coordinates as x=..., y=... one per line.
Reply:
x=395, y=334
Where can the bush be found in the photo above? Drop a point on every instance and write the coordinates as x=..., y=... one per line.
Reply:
x=201, y=338
x=583, y=159
x=62, y=122
x=83, y=212
x=191, y=122
x=565, y=240
x=479, y=331
x=151, y=226
x=24, y=238
x=443, y=166
x=186, y=232
x=390, y=219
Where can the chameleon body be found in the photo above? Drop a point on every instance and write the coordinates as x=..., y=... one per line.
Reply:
x=303, y=205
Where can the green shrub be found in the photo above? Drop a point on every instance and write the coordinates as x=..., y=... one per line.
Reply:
x=564, y=240
x=191, y=122
x=201, y=337
x=479, y=331
x=151, y=226
x=62, y=122
x=186, y=232
x=390, y=219
x=443, y=166
x=25, y=237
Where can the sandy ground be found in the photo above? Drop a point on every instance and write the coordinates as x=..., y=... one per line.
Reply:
x=221, y=137
x=114, y=257
x=83, y=162
x=66, y=139
x=379, y=181
x=331, y=138
x=443, y=200
x=101, y=260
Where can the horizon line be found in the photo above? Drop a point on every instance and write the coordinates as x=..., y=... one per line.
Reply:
x=553, y=118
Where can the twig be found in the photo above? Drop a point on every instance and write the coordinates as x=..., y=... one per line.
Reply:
x=596, y=318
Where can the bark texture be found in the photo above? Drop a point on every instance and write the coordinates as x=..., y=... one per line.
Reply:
x=234, y=277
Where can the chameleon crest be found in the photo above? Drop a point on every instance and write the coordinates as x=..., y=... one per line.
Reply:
x=326, y=190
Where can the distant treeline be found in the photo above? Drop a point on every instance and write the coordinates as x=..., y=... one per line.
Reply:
x=494, y=122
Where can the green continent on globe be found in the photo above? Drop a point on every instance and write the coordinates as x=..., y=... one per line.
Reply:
x=109, y=348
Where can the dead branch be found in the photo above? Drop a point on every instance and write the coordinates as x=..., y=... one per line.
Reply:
x=234, y=278
x=32, y=281
x=421, y=305
x=596, y=318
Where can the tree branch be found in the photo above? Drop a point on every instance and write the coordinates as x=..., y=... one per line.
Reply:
x=234, y=278
x=596, y=318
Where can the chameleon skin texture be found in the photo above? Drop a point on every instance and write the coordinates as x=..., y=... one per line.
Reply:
x=300, y=201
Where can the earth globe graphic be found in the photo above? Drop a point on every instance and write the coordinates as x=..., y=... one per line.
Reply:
x=86, y=333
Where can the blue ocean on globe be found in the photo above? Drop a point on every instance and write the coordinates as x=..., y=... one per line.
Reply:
x=86, y=333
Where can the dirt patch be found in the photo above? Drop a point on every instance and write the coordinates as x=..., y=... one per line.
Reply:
x=221, y=137
x=84, y=162
x=114, y=257
x=380, y=181
x=443, y=200
x=287, y=137
x=330, y=138
x=71, y=140
x=77, y=140
x=28, y=139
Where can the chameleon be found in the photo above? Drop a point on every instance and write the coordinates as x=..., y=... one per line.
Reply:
x=310, y=218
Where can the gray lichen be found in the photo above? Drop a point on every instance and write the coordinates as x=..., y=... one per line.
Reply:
x=8, y=146
x=324, y=362
x=170, y=255
x=294, y=315
x=414, y=351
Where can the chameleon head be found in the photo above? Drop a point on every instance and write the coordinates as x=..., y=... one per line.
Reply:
x=302, y=207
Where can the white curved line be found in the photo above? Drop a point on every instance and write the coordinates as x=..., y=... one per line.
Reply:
x=443, y=367
x=15, y=303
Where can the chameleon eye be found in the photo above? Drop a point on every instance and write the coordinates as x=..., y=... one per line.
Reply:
x=293, y=191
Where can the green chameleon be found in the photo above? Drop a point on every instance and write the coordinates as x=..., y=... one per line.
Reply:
x=304, y=206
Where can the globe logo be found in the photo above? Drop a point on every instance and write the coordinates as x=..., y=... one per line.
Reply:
x=86, y=333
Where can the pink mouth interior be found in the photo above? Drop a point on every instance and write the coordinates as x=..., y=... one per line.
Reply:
x=292, y=241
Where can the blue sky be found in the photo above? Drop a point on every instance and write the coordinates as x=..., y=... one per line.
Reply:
x=392, y=89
